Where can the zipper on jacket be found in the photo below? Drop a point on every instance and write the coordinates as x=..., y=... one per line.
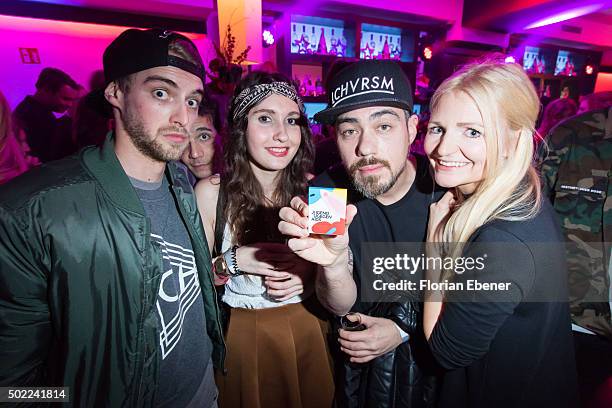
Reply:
x=146, y=241
x=199, y=242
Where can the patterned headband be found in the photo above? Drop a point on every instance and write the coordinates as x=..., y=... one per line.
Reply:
x=257, y=93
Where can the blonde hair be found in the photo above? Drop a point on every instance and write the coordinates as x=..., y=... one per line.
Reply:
x=510, y=188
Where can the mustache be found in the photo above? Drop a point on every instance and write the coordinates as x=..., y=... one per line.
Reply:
x=179, y=130
x=367, y=162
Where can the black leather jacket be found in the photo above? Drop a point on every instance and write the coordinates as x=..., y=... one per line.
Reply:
x=401, y=378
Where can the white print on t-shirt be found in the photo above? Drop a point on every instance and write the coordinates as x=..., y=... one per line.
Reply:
x=183, y=264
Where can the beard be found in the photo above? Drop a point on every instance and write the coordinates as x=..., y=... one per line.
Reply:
x=372, y=186
x=149, y=145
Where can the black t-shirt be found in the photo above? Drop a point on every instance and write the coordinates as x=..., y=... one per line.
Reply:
x=402, y=221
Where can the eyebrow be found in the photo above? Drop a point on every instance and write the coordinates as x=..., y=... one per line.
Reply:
x=272, y=111
x=340, y=121
x=156, y=78
x=204, y=128
x=377, y=115
x=460, y=124
x=373, y=116
x=465, y=124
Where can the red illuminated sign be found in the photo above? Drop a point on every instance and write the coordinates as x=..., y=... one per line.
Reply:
x=29, y=55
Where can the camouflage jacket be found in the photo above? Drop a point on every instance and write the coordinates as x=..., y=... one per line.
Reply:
x=576, y=172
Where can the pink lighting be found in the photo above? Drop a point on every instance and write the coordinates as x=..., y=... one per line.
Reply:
x=588, y=69
x=29, y=44
x=510, y=60
x=565, y=15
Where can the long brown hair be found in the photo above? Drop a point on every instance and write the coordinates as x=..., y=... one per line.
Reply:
x=5, y=121
x=242, y=192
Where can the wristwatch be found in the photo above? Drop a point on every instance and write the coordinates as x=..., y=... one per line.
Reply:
x=220, y=267
x=225, y=265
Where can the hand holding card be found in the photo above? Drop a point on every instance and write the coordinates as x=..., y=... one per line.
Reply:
x=324, y=248
x=326, y=210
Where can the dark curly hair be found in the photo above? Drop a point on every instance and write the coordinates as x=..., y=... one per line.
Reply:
x=246, y=207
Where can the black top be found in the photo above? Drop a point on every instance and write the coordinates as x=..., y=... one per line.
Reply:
x=49, y=138
x=402, y=221
x=519, y=352
x=403, y=376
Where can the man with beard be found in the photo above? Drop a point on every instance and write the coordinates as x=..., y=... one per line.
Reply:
x=370, y=105
x=105, y=275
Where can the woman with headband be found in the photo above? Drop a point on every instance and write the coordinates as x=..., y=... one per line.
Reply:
x=500, y=323
x=276, y=342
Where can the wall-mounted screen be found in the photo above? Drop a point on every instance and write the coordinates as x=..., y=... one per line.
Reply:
x=382, y=42
x=320, y=36
x=569, y=63
x=538, y=60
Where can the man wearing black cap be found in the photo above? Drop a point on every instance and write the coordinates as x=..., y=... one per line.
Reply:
x=105, y=280
x=370, y=106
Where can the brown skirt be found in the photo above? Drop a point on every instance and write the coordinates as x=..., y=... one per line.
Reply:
x=277, y=357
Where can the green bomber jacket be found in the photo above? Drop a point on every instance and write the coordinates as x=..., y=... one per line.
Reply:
x=79, y=279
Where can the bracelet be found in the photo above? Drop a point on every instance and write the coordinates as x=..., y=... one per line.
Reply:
x=230, y=260
x=237, y=270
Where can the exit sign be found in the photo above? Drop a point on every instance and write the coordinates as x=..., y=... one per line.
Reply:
x=29, y=55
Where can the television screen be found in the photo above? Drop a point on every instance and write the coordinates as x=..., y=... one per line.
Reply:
x=569, y=63
x=538, y=60
x=320, y=36
x=380, y=42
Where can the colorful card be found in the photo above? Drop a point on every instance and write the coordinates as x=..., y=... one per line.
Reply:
x=326, y=210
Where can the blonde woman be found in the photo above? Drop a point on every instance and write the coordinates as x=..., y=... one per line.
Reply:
x=510, y=346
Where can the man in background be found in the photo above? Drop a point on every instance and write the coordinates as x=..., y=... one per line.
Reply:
x=203, y=156
x=577, y=175
x=49, y=138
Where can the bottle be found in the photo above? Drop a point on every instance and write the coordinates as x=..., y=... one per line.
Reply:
x=304, y=41
x=303, y=45
x=372, y=47
x=397, y=53
x=340, y=46
x=309, y=86
x=319, y=87
x=313, y=44
x=386, y=54
x=333, y=44
x=322, y=48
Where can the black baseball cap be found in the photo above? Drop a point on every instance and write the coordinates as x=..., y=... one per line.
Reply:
x=366, y=83
x=137, y=50
x=134, y=51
